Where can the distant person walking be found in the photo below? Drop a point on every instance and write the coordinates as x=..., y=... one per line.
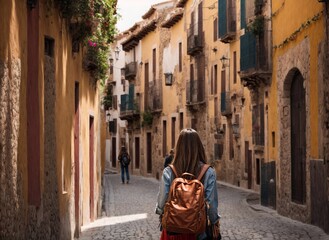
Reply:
x=124, y=160
x=169, y=158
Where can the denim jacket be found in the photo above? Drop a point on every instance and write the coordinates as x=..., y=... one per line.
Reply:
x=210, y=187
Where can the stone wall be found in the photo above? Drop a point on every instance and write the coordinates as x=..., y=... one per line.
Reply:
x=11, y=199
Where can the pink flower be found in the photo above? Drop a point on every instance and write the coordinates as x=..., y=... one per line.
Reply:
x=91, y=43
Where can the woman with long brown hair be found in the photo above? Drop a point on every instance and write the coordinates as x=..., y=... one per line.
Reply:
x=189, y=158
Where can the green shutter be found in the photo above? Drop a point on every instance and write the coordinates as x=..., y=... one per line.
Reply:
x=222, y=19
x=131, y=97
x=243, y=14
x=248, y=51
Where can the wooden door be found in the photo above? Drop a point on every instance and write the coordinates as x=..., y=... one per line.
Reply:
x=298, y=140
x=249, y=169
x=149, y=152
x=164, y=138
x=137, y=152
x=91, y=167
x=76, y=160
x=173, y=132
x=114, y=152
x=33, y=107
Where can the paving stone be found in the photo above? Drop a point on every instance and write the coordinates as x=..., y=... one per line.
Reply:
x=129, y=214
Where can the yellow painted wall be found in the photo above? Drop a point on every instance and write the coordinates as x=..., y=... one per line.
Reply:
x=68, y=70
x=289, y=18
x=171, y=99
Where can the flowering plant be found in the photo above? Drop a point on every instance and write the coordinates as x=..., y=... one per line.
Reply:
x=92, y=23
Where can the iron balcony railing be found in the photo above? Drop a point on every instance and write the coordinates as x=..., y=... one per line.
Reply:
x=129, y=105
x=194, y=40
x=131, y=70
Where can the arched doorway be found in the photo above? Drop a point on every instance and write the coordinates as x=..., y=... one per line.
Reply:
x=298, y=139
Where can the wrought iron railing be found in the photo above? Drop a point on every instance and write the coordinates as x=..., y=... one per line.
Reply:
x=130, y=70
x=194, y=40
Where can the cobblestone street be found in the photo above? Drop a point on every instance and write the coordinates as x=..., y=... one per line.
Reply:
x=129, y=214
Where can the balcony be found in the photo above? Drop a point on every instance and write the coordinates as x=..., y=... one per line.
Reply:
x=225, y=104
x=194, y=94
x=155, y=96
x=254, y=61
x=131, y=70
x=129, y=106
x=227, y=21
x=194, y=42
x=111, y=80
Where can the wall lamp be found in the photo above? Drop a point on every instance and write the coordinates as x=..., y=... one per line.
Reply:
x=168, y=79
x=116, y=52
x=225, y=61
x=111, y=61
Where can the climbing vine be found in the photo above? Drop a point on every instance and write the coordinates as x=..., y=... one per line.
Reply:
x=147, y=118
x=279, y=9
x=92, y=24
x=257, y=25
x=302, y=27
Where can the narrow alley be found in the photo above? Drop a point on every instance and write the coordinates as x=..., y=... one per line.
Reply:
x=76, y=88
x=128, y=213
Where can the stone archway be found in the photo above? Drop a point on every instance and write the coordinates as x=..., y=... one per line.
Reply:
x=298, y=138
x=294, y=63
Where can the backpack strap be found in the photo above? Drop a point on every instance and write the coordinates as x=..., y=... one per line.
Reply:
x=203, y=171
x=173, y=169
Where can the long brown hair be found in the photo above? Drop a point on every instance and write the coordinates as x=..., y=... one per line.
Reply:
x=189, y=151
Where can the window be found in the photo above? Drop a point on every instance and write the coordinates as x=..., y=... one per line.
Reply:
x=113, y=126
x=215, y=30
x=212, y=81
x=154, y=64
x=191, y=73
x=258, y=171
x=246, y=156
x=164, y=138
x=181, y=121
x=49, y=46
x=234, y=67
x=115, y=102
x=173, y=132
x=180, y=65
x=215, y=79
x=218, y=151
x=194, y=123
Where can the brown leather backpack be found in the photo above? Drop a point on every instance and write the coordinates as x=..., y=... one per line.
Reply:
x=185, y=209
